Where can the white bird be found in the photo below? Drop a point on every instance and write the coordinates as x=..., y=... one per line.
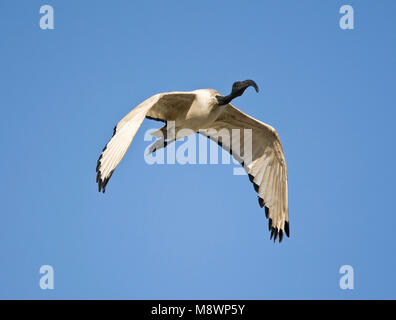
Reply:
x=202, y=111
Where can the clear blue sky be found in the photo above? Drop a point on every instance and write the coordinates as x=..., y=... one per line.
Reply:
x=196, y=231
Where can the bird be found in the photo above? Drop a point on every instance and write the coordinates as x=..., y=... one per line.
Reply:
x=202, y=111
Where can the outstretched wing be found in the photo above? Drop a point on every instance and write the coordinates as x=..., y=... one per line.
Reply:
x=164, y=107
x=266, y=165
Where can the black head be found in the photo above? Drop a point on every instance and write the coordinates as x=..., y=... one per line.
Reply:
x=238, y=88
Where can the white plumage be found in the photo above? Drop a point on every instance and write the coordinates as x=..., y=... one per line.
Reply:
x=202, y=111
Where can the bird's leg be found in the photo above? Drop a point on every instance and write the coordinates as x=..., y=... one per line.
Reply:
x=157, y=145
x=163, y=136
x=161, y=133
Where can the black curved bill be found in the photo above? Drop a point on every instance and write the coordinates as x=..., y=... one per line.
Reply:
x=243, y=85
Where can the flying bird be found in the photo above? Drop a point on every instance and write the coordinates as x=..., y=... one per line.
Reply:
x=202, y=111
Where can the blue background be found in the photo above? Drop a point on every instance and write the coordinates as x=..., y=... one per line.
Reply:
x=196, y=231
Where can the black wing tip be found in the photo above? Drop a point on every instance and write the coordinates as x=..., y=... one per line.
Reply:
x=99, y=179
x=255, y=186
x=287, y=230
x=275, y=232
x=272, y=233
x=102, y=183
x=261, y=202
x=266, y=212
x=280, y=235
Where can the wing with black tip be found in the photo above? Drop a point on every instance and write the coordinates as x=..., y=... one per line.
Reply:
x=164, y=107
x=266, y=166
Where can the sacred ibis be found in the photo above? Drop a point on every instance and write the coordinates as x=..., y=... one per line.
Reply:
x=202, y=111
